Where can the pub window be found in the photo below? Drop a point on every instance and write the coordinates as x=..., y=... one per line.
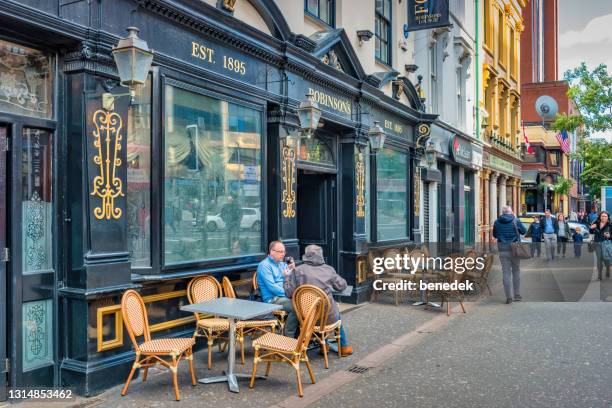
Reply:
x=321, y=9
x=391, y=195
x=212, y=180
x=383, y=31
x=26, y=81
x=139, y=177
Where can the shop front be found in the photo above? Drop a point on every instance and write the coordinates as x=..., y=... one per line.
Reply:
x=192, y=174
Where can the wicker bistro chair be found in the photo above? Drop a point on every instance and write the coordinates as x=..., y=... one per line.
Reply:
x=200, y=289
x=152, y=352
x=389, y=276
x=280, y=315
x=447, y=295
x=303, y=298
x=247, y=327
x=272, y=347
x=481, y=277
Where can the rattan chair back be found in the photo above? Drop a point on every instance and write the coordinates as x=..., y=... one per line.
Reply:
x=135, y=317
x=488, y=265
x=307, y=327
x=303, y=299
x=228, y=288
x=203, y=288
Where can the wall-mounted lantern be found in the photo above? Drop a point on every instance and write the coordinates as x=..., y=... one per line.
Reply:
x=430, y=154
x=309, y=115
x=376, y=136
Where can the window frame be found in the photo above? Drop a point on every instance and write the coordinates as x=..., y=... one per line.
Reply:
x=332, y=12
x=389, y=22
x=222, y=93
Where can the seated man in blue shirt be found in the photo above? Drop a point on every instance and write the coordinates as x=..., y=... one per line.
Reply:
x=271, y=275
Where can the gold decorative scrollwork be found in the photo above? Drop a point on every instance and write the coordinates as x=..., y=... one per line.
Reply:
x=424, y=129
x=106, y=185
x=417, y=191
x=288, y=178
x=360, y=184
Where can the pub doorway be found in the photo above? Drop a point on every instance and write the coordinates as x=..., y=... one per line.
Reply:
x=316, y=213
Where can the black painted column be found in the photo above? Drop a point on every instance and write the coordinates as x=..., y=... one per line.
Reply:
x=282, y=179
x=459, y=210
x=352, y=207
x=98, y=269
x=446, y=203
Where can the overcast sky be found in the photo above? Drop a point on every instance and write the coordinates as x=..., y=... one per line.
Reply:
x=585, y=34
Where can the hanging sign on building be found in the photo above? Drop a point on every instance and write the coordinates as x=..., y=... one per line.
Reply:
x=424, y=14
x=460, y=150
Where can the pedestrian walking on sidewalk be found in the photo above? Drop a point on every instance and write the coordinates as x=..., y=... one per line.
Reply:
x=535, y=232
x=508, y=229
x=602, y=232
x=578, y=241
x=563, y=234
x=550, y=227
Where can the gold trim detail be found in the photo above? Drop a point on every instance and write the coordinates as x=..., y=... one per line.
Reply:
x=417, y=191
x=106, y=185
x=118, y=340
x=288, y=178
x=360, y=181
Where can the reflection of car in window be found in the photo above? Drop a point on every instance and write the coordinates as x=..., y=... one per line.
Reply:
x=251, y=219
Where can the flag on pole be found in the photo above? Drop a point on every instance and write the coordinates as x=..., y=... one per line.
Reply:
x=529, y=148
x=564, y=141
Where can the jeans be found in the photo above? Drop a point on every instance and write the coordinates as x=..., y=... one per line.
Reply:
x=561, y=245
x=510, y=267
x=536, y=247
x=292, y=323
x=343, y=341
x=550, y=242
x=601, y=262
x=577, y=250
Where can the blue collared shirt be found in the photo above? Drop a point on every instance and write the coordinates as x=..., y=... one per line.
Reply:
x=548, y=228
x=270, y=278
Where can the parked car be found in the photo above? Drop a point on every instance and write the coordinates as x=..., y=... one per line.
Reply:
x=584, y=230
x=251, y=219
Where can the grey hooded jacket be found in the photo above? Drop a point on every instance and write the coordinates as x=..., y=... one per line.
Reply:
x=315, y=272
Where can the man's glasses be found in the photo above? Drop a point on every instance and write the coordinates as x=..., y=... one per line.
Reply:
x=279, y=250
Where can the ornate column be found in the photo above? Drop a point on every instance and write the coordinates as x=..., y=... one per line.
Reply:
x=493, y=198
x=502, y=192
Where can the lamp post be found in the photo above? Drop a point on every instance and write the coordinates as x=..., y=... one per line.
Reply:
x=430, y=154
x=309, y=115
x=133, y=59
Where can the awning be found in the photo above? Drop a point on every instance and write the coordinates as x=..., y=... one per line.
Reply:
x=529, y=177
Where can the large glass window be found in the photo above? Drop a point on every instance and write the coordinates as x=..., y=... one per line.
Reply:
x=212, y=184
x=321, y=9
x=139, y=177
x=391, y=195
x=383, y=31
x=26, y=81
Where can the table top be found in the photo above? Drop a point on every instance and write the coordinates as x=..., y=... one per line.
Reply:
x=346, y=292
x=232, y=308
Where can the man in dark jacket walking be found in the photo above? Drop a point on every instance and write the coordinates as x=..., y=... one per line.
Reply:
x=535, y=232
x=505, y=231
x=550, y=229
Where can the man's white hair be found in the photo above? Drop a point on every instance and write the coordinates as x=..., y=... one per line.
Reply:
x=506, y=209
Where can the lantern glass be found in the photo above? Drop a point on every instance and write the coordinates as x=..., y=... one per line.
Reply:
x=309, y=115
x=133, y=59
x=376, y=135
x=430, y=154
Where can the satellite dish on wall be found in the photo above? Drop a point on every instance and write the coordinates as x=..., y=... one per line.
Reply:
x=547, y=107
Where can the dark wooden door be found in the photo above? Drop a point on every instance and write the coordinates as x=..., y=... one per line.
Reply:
x=316, y=212
x=3, y=260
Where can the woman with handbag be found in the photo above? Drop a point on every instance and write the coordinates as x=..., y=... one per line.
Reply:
x=507, y=230
x=602, y=237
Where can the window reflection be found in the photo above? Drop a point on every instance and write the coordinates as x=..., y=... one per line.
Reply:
x=212, y=205
x=391, y=195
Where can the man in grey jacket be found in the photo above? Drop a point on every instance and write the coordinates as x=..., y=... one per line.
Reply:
x=315, y=272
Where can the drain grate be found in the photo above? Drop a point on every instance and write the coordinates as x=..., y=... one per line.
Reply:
x=357, y=369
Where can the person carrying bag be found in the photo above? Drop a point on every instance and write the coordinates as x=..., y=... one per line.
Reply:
x=507, y=229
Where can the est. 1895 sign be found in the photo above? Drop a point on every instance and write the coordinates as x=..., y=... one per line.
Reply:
x=424, y=14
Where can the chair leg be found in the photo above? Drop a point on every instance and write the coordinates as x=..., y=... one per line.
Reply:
x=324, y=347
x=310, y=373
x=268, y=366
x=299, y=378
x=462, y=306
x=191, y=370
x=210, y=344
x=338, y=342
x=129, y=379
x=144, y=374
x=174, y=369
x=252, y=383
x=447, y=307
x=490, y=293
x=241, y=343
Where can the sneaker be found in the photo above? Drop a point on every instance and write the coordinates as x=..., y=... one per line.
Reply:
x=508, y=301
x=518, y=298
x=346, y=350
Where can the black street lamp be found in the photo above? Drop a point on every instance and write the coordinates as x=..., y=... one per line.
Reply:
x=309, y=115
x=376, y=136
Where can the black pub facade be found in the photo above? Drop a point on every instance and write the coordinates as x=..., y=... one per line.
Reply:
x=194, y=174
